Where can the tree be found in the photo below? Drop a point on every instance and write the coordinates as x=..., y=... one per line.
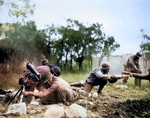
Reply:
x=145, y=48
x=110, y=46
x=20, y=36
x=45, y=42
x=80, y=41
x=22, y=11
x=22, y=45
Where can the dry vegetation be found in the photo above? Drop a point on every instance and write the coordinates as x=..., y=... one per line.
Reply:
x=132, y=102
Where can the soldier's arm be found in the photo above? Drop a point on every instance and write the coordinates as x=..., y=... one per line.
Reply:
x=114, y=78
x=131, y=63
x=141, y=76
x=138, y=66
x=42, y=93
x=136, y=75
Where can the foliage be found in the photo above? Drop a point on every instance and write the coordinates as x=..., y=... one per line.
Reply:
x=69, y=47
x=18, y=45
x=21, y=9
x=145, y=48
x=80, y=42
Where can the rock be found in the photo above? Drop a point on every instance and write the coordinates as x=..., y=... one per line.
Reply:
x=81, y=91
x=90, y=103
x=58, y=111
x=19, y=108
x=95, y=95
x=121, y=86
x=75, y=110
x=54, y=111
x=32, y=112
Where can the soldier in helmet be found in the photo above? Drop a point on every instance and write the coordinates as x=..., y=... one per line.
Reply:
x=133, y=66
x=100, y=76
x=45, y=62
x=55, y=90
x=29, y=83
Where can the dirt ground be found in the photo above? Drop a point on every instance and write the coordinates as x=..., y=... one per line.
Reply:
x=103, y=106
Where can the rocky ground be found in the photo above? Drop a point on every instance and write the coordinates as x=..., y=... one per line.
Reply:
x=103, y=106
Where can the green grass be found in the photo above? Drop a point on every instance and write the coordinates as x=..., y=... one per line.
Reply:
x=10, y=81
x=132, y=92
x=74, y=77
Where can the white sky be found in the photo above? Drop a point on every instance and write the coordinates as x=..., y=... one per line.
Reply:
x=122, y=19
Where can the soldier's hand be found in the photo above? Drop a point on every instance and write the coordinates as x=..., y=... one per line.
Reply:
x=21, y=81
x=112, y=79
x=125, y=73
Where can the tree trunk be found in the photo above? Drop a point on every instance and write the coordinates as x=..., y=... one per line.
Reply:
x=66, y=61
x=100, y=60
x=71, y=62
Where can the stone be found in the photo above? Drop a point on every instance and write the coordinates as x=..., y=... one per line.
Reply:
x=58, y=111
x=19, y=108
x=121, y=86
x=54, y=111
x=75, y=110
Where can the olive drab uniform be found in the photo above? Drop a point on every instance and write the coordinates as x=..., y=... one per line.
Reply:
x=133, y=66
x=96, y=78
x=99, y=77
x=58, y=92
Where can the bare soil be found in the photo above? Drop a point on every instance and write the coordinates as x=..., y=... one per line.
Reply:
x=103, y=106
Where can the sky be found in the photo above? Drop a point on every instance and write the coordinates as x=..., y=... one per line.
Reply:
x=122, y=19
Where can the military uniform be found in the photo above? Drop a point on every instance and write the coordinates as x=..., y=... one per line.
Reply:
x=27, y=99
x=58, y=92
x=98, y=77
x=133, y=66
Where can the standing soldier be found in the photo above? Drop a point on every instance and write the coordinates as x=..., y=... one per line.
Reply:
x=133, y=66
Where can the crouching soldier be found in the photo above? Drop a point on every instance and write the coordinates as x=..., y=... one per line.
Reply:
x=100, y=76
x=29, y=82
x=53, y=89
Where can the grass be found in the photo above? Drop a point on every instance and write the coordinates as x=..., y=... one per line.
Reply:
x=10, y=81
x=74, y=77
x=132, y=92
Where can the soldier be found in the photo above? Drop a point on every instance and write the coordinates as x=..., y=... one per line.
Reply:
x=99, y=77
x=45, y=62
x=133, y=66
x=53, y=90
x=29, y=83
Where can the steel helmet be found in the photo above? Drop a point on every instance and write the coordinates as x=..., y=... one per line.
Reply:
x=55, y=71
x=45, y=62
x=50, y=65
x=45, y=77
x=106, y=65
x=138, y=54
